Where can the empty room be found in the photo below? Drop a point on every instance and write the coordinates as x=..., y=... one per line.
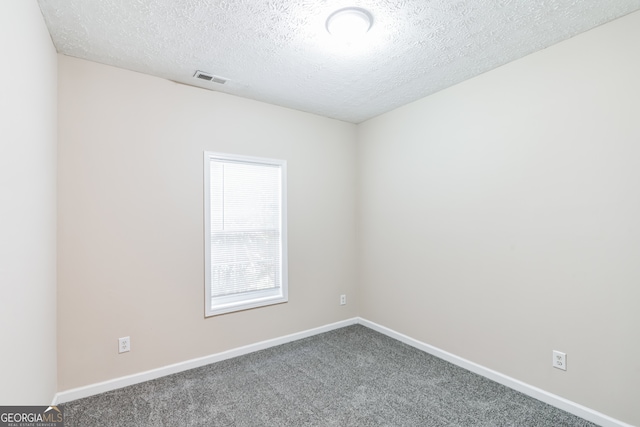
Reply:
x=321, y=213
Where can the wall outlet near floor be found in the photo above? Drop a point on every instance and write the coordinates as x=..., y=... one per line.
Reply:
x=124, y=344
x=559, y=360
x=343, y=299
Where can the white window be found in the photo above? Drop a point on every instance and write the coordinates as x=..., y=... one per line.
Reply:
x=245, y=232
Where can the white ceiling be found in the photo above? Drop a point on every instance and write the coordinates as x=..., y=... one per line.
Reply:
x=278, y=51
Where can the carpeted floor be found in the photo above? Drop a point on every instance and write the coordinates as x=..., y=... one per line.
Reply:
x=352, y=376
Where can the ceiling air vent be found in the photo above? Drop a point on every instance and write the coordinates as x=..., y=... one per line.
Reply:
x=209, y=77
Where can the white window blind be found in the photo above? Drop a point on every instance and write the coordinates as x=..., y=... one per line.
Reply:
x=245, y=241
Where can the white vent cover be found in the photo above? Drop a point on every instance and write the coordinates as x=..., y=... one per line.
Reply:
x=209, y=77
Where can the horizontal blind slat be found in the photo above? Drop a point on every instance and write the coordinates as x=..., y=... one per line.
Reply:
x=245, y=227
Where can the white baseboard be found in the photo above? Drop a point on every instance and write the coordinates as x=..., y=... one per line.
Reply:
x=93, y=389
x=537, y=393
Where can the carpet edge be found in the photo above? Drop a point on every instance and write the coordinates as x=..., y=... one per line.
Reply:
x=530, y=390
x=120, y=382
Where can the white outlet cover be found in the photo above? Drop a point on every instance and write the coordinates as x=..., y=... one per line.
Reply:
x=124, y=345
x=559, y=360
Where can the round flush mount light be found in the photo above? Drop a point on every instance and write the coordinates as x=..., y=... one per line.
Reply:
x=349, y=23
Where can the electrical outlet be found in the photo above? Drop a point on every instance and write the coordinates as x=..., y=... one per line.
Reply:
x=124, y=345
x=343, y=299
x=559, y=360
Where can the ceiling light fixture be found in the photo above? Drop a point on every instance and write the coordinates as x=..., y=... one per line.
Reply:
x=349, y=23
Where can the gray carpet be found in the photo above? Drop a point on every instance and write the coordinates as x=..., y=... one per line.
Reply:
x=352, y=376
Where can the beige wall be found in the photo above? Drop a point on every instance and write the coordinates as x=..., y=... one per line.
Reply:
x=500, y=219
x=27, y=206
x=131, y=219
x=497, y=219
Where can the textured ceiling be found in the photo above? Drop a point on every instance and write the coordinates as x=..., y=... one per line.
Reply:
x=278, y=51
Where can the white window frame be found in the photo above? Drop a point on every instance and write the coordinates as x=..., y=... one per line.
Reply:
x=253, y=299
